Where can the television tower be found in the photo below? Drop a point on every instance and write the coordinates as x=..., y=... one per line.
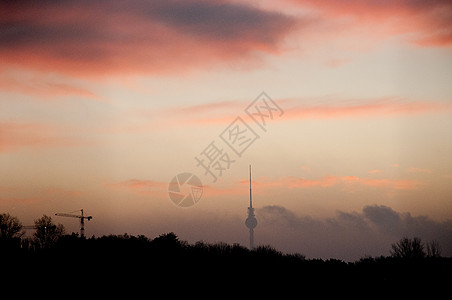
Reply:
x=251, y=221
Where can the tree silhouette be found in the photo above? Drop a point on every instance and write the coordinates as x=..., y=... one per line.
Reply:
x=408, y=248
x=433, y=249
x=167, y=241
x=10, y=233
x=47, y=233
x=10, y=227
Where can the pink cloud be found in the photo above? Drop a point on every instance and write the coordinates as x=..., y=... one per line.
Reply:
x=209, y=108
x=419, y=170
x=438, y=40
x=346, y=183
x=41, y=88
x=305, y=168
x=427, y=23
x=299, y=109
x=141, y=187
x=84, y=38
x=223, y=112
x=337, y=62
x=19, y=200
x=61, y=192
x=17, y=195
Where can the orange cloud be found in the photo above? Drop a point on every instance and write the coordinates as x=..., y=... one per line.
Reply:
x=138, y=184
x=292, y=182
x=376, y=171
x=216, y=191
x=397, y=184
x=17, y=135
x=380, y=107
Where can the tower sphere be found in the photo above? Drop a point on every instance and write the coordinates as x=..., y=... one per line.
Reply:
x=251, y=222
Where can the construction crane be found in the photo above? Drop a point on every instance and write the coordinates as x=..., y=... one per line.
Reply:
x=29, y=227
x=81, y=217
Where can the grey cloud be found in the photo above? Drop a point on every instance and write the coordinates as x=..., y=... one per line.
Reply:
x=220, y=19
x=385, y=218
x=91, y=27
x=347, y=236
x=279, y=215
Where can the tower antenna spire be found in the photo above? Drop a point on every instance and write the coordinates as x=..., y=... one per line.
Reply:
x=251, y=195
x=251, y=221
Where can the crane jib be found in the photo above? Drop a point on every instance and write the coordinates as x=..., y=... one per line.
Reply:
x=81, y=217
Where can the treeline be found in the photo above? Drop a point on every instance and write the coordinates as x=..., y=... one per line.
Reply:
x=53, y=256
x=126, y=259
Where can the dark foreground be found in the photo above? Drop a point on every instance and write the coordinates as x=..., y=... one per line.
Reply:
x=130, y=266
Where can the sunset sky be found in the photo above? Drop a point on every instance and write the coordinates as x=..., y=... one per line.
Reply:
x=102, y=103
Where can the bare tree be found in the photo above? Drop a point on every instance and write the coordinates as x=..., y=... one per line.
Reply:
x=433, y=249
x=10, y=227
x=408, y=248
x=47, y=233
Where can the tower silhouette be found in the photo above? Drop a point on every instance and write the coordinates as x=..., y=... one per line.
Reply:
x=251, y=221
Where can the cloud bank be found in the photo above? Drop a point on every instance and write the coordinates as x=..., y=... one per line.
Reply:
x=347, y=236
x=153, y=37
x=86, y=38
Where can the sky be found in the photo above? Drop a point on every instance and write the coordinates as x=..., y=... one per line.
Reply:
x=343, y=109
